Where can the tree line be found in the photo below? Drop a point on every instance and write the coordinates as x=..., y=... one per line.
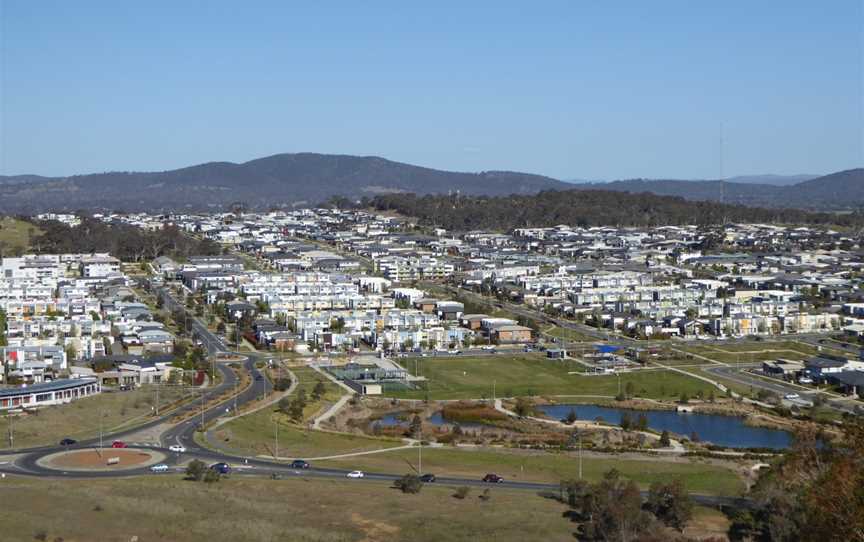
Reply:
x=586, y=208
x=124, y=241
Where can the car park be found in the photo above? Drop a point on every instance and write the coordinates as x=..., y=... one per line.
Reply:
x=355, y=474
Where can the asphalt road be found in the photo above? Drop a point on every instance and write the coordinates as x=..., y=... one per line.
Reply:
x=184, y=432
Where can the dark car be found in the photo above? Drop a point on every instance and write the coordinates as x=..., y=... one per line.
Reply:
x=259, y=377
x=493, y=479
x=299, y=464
x=221, y=468
x=428, y=478
x=68, y=442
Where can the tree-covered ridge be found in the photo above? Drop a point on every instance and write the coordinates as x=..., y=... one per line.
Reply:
x=124, y=241
x=586, y=208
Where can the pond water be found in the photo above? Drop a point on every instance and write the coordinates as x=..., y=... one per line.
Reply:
x=404, y=418
x=727, y=431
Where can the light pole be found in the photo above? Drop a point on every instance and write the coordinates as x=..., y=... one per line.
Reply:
x=277, y=439
x=100, y=430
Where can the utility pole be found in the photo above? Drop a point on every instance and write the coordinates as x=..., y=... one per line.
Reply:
x=580, y=452
x=100, y=430
x=202, y=410
x=157, y=398
x=277, y=439
x=493, y=391
x=9, y=418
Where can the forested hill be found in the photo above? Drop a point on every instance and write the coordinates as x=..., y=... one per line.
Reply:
x=586, y=208
x=282, y=179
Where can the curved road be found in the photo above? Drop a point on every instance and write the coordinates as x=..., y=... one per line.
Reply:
x=184, y=432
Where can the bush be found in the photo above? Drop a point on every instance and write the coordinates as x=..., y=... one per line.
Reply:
x=196, y=470
x=212, y=476
x=462, y=492
x=409, y=483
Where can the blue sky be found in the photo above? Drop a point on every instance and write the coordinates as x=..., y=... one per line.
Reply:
x=587, y=89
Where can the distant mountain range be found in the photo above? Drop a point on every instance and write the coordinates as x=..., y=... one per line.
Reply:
x=308, y=178
x=303, y=178
x=843, y=190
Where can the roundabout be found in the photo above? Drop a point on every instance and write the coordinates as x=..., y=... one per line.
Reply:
x=100, y=460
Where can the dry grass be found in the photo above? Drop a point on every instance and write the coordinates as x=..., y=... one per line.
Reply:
x=167, y=508
x=80, y=419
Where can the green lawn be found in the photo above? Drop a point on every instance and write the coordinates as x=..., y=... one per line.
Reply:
x=15, y=235
x=568, y=334
x=255, y=434
x=80, y=419
x=307, y=380
x=698, y=476
x=532, y=375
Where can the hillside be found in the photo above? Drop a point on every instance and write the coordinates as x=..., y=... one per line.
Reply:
x=843, y=190
x=586, y=208
x=265, y=182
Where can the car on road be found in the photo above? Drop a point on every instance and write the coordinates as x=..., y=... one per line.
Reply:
x=428, y=478
x=454, y=352
x=487, y=347
x=355, y=474
x=791, y=396
x=299, y=464
x=259, y=377
x=68, y=442
x=492, y=479
x=221, y=468
x=119, y=444
x=805, y=380
x=177, y=448
x=161, y=467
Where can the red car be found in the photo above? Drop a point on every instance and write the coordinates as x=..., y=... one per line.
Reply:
x=118, y=444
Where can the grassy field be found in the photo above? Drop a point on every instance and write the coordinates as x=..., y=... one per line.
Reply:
x=568, y=334
x=307, y=379
x=15, y=235
x=255, y=434
x=80, y=419
x=312, y=510
x=699, y=477
x=472, y=378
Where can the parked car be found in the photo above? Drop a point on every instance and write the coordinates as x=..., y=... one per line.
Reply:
x=299, y=464
x=68, y=442
x=161, y=467
x=177, y=448
x=221, y=468
x=493, y=479
x=119, y=444
x=428, y=478
x=355, y=474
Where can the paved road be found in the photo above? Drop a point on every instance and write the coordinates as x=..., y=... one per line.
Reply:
x=183, y=433
x=732, y=373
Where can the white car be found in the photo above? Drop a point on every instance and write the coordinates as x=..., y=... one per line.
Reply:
x=791, y=396
x=177, y=448
x=161, y=467
x=355, y=474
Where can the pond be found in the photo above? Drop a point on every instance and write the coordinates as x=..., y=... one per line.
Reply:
x=729, y=431
x=404, y=418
